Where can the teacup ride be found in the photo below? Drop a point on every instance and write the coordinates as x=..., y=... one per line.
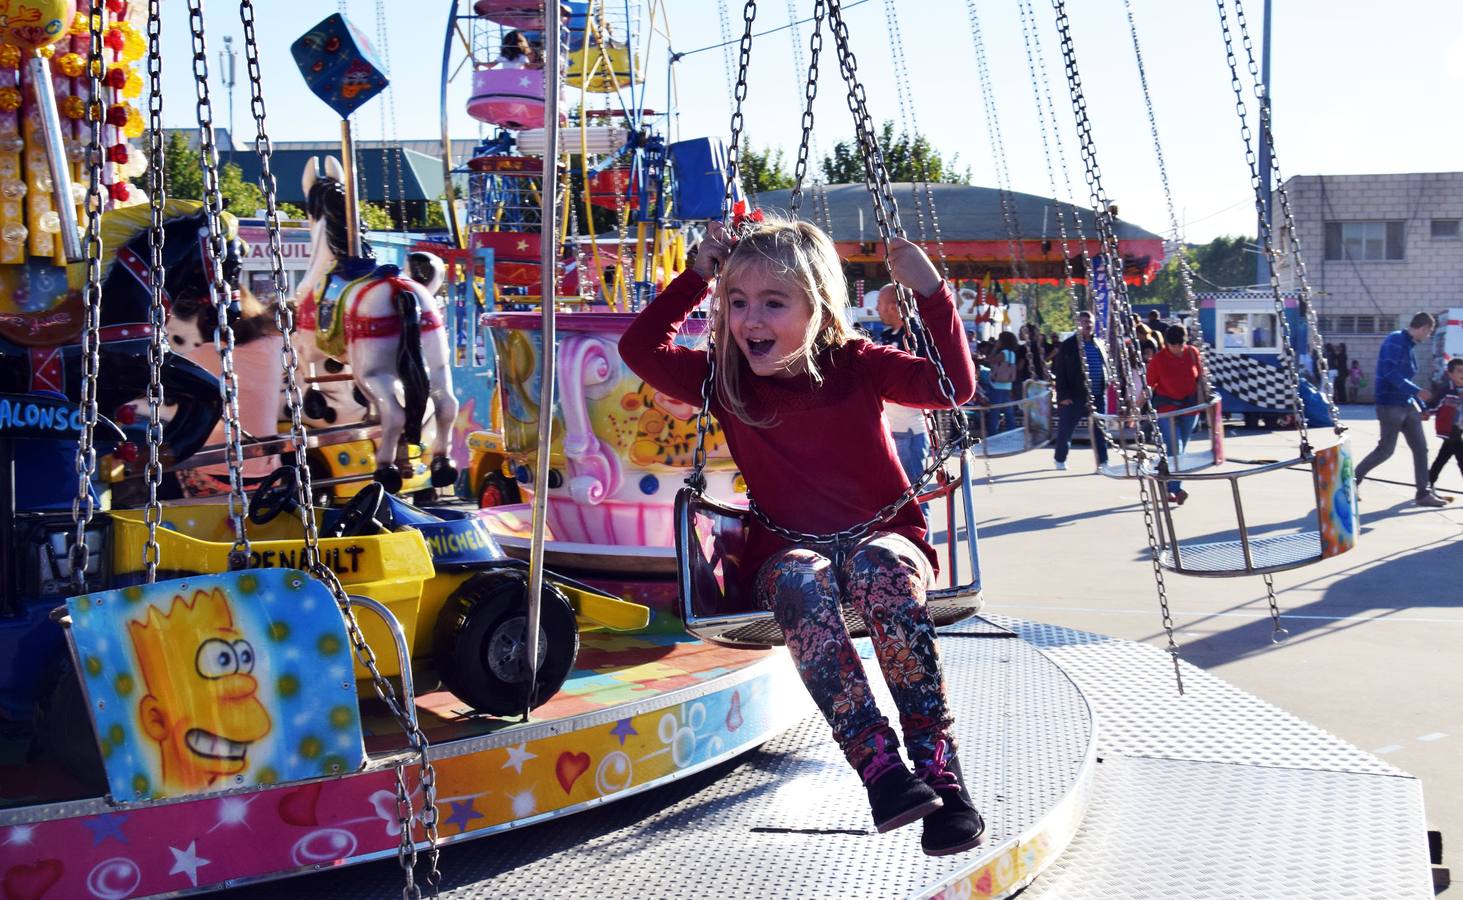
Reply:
x=621, y=450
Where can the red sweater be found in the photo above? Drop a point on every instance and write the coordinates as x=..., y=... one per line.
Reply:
x=1174, y=378
x=828, y=462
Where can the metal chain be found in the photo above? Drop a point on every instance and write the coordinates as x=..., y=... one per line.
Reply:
x=1109, y=241
x=1278, y=632
x=1047, y=118
x=1292, y=367
x=284, y=318
x=911, y=126
x=1317, y=344
x=83, y=506
x=220, y=295
x=810, y=93
x=157, y=346
x=820, y=194
x=1186, y=274
x=388, y=115
x=739, y=94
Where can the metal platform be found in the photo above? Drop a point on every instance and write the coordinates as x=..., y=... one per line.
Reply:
x=1214, y=794
x=1217, y=794
x=791, y=819
x=1267, y=554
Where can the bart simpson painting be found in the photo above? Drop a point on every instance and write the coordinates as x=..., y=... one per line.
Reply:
x=217, y=682
x=202, y=703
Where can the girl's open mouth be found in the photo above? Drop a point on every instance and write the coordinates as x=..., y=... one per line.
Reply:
x=759, y=348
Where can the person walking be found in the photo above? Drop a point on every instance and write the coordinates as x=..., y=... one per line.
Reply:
x=1398, y=412
x=1073, y=390
x=1173, y=377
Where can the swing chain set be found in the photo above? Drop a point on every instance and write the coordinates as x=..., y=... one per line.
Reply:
x=886, y=213
x=810, y=93
x=83, y=506
x=385, y=691
x=1107, y=237
x=219, y=294
x=1267, y=134
x=157, y=347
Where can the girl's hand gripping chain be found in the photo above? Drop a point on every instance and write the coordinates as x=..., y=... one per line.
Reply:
x=911, y=267
x=712, y=252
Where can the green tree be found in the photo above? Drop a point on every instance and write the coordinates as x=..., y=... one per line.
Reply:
x=183, y=178
x=763, y=170
x=1225, y=263
x=907, y=159
x=291, y=211
x=375, y=217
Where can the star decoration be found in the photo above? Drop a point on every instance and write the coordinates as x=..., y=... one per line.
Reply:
x=462, y=814
x=517, y=756
x=104, y=827
x=622, y=730
x=525, y=81
x=188, y=862
x=522, y=245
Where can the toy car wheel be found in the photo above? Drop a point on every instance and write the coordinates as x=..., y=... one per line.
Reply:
x=482, y=646
x=498, y=491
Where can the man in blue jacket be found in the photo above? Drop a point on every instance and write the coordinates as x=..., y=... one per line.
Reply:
x=1397, y=405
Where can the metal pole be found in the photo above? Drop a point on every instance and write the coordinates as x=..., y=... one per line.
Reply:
x=548, y=262
x=40, y=76
x=1262, y=260
x=454, y=228
x=352, y=200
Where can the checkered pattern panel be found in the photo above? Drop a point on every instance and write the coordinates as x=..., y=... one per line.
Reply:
x=1249, y=379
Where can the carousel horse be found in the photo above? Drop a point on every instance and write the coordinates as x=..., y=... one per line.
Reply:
x=41, y=351
x=385, y=326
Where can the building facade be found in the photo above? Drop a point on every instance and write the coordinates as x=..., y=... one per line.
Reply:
x=1378, y=248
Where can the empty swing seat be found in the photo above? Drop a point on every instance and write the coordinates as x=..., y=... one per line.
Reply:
x=1191, y=460
x=509, y=98
x=711, y=538
x=1034, y=431
x=1333, y=478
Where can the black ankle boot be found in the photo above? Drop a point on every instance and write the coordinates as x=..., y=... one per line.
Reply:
x=956, y=826
x=896, y=797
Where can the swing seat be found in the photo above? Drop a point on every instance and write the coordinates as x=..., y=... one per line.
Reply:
x=515, y=255
x=1334, y=480
x=711, y=540
x=610, y=188
x=508, y=166
x=1034, y=431
x=509, y=98
x=1126, y=464
x=218, y=682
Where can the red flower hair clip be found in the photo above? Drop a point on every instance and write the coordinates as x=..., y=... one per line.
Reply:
x=743, y=219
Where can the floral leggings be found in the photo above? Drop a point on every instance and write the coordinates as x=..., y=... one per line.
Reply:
x=883, y=578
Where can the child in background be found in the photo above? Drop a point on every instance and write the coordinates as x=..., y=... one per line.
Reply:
x=800, y=398
x=516, y=53
x=1447, y=407
x=1355, y=380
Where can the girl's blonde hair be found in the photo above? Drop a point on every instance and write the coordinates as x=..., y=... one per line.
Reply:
x=802, y=254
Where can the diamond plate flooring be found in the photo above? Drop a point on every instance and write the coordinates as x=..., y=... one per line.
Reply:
x=789, y=819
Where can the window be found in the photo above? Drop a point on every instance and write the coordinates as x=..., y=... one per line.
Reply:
x=1250, y=332
x=1445, y=229
x=1365, y=241
x=1333, y=325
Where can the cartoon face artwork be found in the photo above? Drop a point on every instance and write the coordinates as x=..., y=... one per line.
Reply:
x=665, y=429
x=201, y=704
x=217, y=682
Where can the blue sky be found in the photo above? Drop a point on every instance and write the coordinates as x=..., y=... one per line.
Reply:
x=1358, y=86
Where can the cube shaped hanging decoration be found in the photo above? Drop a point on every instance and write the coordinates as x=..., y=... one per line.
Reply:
x=339, y=64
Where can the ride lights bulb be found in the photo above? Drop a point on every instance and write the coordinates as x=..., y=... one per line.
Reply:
x=50, y=222
x=14, y=233
x=11, y=143
x=12, y=189
x=43, y=182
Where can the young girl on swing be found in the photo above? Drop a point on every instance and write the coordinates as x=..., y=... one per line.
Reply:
x=800, y=397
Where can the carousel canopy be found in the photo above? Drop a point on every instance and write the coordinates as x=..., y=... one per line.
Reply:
x=973, y=231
